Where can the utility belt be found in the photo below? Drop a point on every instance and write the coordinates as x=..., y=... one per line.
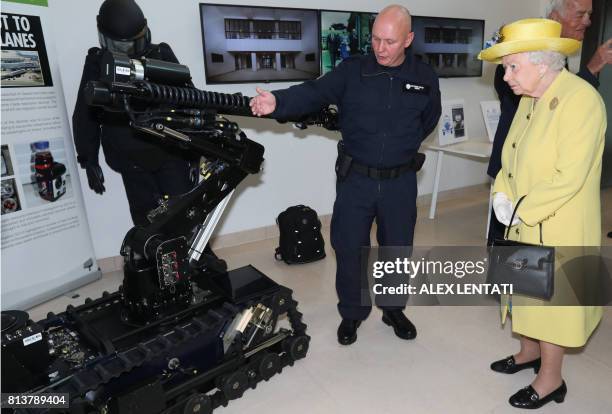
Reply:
x=345, y=164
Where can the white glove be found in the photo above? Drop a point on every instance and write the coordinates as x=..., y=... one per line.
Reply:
x=502, y=206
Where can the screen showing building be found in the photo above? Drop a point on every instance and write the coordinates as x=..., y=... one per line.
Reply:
x=259, y=44
x=449, y=45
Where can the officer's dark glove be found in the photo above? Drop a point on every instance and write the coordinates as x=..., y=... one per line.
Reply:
x=95, y=178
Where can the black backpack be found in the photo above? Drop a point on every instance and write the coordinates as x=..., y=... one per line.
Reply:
x=300, y=236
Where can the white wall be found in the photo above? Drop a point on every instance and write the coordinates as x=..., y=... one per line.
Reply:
x=299, y=165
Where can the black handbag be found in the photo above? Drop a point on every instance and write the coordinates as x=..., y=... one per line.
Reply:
x=530, y=268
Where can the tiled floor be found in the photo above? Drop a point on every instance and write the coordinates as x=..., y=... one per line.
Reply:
x=444, y=370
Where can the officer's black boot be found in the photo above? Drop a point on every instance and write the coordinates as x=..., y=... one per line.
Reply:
x=347, y=331
x=401, y=325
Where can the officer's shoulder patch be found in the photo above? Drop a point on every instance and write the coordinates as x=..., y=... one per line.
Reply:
x=94, y=51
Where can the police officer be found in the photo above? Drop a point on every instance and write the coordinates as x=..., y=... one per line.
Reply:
x=149, y=170
x=389, y=102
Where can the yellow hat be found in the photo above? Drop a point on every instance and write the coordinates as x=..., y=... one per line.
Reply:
x=529, y=35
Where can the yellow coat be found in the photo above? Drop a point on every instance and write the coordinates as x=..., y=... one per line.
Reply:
x=553, y=155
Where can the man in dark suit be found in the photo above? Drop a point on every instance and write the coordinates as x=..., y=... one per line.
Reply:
x=574, y=16
x=333, y=42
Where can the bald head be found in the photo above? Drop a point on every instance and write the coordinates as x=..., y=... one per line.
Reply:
x=391, y=35
x=398, y=13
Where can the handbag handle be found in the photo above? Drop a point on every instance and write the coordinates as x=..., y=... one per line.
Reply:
x=512, y=219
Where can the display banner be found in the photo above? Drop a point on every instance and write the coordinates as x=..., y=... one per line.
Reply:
x=46, y=245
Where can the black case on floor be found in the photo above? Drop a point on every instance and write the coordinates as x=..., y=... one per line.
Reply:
x=300, y=236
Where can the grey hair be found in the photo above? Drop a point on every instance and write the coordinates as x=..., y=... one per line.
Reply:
x=556, y=5
x=554, y=60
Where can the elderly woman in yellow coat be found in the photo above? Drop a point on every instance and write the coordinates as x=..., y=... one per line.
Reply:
x=552, y=155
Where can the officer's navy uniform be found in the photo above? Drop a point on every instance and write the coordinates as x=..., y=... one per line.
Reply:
x=148, y=168
x=509, y=102
x=385, y=113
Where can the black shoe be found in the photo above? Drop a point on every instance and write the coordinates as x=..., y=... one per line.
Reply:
x=401, y=325
x=529, y=398
x=509, y=366
x=347, y=331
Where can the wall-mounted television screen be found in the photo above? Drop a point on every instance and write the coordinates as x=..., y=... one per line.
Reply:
x=344, y=33
x=449, y=45
x=244, y=44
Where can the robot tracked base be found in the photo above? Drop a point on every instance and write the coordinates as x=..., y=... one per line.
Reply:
x=192, y=360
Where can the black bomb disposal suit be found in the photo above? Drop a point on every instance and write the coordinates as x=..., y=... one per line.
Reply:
x=149, y=170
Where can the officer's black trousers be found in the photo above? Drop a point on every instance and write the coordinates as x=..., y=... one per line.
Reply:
x=145, y=188
x=360, y=200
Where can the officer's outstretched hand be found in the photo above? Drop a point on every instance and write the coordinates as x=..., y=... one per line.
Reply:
x=95, y=178
x=264, y=103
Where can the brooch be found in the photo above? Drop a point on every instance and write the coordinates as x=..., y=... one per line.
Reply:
x=553, y=103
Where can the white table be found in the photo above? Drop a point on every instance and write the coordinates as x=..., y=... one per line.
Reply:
x=476, y=149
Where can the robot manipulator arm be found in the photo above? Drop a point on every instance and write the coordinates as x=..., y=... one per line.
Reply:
x=165, y=83
x=159, y=99
x=174, y=113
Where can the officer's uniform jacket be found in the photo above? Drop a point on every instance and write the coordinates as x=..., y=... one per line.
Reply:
x=385, y=113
